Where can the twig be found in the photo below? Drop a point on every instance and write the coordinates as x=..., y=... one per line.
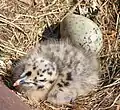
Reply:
x=113, y=84
x=12, y=24
x=111, y=104
x=117, y=21
x=52, y=107
x=47, y=7
x=12, y=49
x=71, y=10
x=104, y=99
x=36, y=17
x=104, y=4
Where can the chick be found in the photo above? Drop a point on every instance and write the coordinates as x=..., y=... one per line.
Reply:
x=57, y=71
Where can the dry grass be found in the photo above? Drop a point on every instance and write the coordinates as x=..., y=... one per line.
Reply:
x=22, y=25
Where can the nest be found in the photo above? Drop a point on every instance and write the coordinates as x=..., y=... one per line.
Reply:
x=22, y=24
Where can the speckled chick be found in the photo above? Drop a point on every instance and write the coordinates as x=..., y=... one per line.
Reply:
x=58, y=72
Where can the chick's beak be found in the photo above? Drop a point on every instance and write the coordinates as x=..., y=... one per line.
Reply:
x=18, y=82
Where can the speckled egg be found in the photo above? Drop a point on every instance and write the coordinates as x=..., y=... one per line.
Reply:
x=82, y=32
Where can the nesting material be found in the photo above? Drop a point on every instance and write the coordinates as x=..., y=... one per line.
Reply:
x=22, y=25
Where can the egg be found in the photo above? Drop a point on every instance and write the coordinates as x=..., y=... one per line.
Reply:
x=82, y=32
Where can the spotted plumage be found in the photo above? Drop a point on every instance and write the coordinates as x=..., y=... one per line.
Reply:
x=58, y=72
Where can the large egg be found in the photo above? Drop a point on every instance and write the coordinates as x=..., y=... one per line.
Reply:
x=82, y=32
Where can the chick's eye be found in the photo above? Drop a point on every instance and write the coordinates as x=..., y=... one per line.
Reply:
x=28, y=73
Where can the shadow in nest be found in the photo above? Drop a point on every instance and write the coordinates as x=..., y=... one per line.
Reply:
x=8, y=79
x=51, y=32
